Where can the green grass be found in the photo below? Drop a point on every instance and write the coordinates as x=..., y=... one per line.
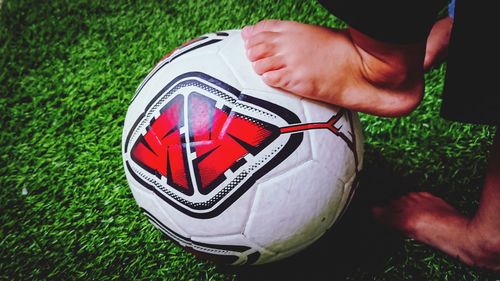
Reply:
x=68, y=70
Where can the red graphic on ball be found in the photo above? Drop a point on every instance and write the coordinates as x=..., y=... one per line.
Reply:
x=219, y=137
x=200, y=143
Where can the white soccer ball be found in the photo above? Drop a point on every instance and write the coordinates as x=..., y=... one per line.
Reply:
x=231, y=168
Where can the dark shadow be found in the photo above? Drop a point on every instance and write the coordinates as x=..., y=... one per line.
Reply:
x=355, y=243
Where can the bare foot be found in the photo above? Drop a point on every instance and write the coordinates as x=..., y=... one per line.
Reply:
x=437, y=42
x=329, y=65
x=429, y=219
x=411, y=213
x=297, y=57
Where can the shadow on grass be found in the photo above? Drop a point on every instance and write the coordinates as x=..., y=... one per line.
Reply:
x=355, y=243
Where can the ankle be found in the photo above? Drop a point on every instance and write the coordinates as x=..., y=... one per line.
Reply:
x=481, y=247
x=387, y=65
x=394, y=70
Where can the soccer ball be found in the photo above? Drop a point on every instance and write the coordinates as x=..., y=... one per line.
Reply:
x=230, y=168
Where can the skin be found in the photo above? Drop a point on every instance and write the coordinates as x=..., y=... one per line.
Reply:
x=352, y=70
x=372, y=77
x=437, y=42
x=430, y=219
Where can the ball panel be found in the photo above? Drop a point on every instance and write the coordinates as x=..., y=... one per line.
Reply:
x=210, y=42
x=237, y=246
x=233, y=54
x=290, y=209
x=221, y=249
x=349, y=191
x=331, y=151
x=345, y=147
x=315, y=111
x=212, y=64
x=293, y=251
x=231, y=221
x=303, y=152
x=148, y=201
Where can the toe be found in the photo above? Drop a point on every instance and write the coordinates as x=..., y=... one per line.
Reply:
x=277, y=78
x=267, y=64
x=246, y=32
x=260, y=51
x=269, y=25
x=264, y=26
x=260, y=38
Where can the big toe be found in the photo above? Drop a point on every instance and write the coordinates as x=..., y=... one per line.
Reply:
x=264, y=26
x=246, y=32
x=269, y=25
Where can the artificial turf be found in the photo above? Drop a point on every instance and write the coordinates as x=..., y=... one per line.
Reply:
x=68, y=70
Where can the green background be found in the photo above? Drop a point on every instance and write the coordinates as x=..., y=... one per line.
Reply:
x=67, y=72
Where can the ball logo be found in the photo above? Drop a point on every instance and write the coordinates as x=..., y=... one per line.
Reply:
x=201, y=144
